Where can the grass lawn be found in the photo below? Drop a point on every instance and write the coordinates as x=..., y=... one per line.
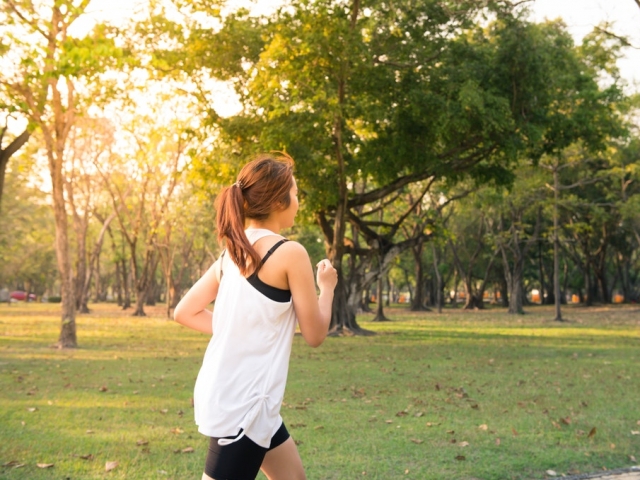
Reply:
x=462, y=395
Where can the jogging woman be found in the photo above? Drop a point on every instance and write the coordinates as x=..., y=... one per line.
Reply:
x=262, y=285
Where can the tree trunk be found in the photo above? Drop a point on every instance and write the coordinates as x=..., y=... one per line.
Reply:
x=587, y=284
x=543, y=286
x=439, y=287
x=516, y=295
x=556, y=249
x=67, y=338
x=126, y=284
x=380, y=317
x=418, y=300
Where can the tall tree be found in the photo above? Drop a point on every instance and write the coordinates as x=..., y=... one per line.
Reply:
x=46, y=82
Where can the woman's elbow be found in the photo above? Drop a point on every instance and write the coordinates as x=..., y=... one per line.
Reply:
x=179, y=314
x=315, y=340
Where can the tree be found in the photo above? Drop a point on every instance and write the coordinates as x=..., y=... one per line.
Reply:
x=386, y=97
x=48, y=73
x=141, y=188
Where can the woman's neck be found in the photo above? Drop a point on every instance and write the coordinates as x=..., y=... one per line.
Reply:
x=264, y=225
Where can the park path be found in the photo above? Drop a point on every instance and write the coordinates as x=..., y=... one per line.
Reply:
x=632, y=473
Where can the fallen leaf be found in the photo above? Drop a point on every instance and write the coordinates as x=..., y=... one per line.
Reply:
x=451, y=432
x=103, y=388
x=32, y=409
x=419, y=414
x=635, y=432
x=44, y=465
x=401, y=413
x=89, y=432
x=110, y=466
x=592, y=433
x=497, y=441
x=87, y=457
x=388, y=421
x=566, y=420
x=142, y=442
x=12, y=463
x=463, y=444
x=483, y=427
x=632, y=458
x=437, y=386
x=319, y=427
x=416, y=441
x=613, y=446
x=551, y=473
x=406, y=471
x=461, y=458
x=187, y=450
x=515, y=432
x=164, y=410
x=177, y=431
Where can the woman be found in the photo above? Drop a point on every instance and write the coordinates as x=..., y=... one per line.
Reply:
x=262, y=285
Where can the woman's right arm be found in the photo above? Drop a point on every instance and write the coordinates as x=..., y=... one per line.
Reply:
x=313, y=312
x=191, y=311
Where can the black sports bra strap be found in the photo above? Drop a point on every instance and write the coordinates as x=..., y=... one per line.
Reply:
x=272, y=249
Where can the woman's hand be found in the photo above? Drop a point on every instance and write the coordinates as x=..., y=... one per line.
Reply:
x=326, y=276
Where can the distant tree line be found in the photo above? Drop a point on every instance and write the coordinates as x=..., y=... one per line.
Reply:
x=441, y=146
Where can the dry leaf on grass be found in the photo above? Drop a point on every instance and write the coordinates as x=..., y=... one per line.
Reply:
x=483, y=427
x=87, y=457
x=463, y=444
x=551, y=473
x=592, y=433
x=44, y=465
x=461, y=458
x=416, y=441
x=110, y=466
x=140, y=443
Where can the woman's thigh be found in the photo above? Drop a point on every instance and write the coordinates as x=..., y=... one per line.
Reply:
x=283, y=462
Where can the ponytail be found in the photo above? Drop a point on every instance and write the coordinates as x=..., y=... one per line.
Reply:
x=230, y=221
x=263, y=186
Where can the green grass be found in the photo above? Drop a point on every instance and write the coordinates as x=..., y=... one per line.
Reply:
x=523, y=392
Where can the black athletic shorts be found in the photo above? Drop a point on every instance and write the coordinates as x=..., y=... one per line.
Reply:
x=239, y=460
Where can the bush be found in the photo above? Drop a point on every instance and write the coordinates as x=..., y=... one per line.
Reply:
x=54, y=299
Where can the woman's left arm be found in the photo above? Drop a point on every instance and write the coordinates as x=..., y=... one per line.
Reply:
x=192, y=311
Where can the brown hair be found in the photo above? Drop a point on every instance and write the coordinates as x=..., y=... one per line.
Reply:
x=262, y=186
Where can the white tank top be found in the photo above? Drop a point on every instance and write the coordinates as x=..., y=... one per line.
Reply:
x=244, y=372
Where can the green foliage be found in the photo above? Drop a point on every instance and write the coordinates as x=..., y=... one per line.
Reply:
x=27, y=254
